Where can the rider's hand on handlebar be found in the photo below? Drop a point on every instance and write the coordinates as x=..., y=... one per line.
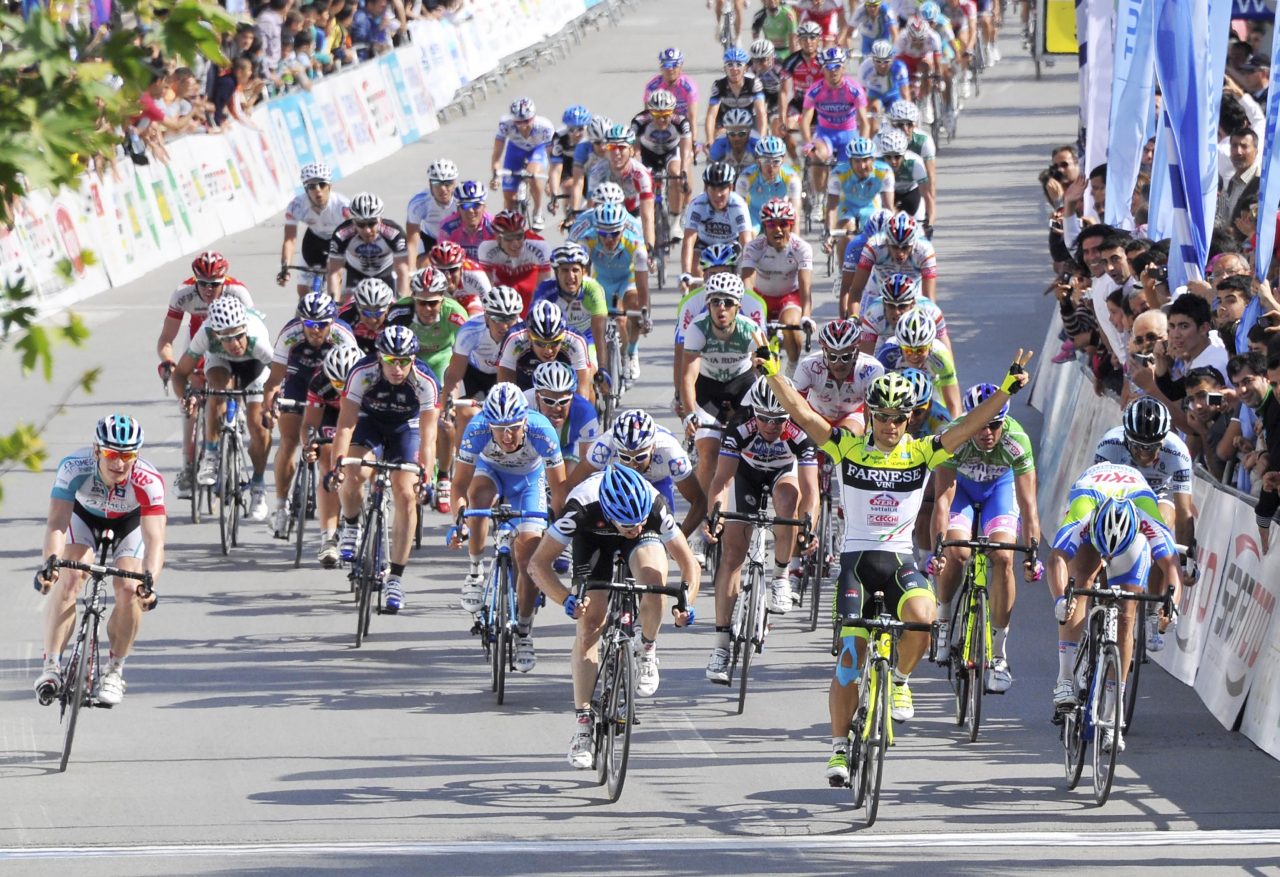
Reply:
x=283, y=277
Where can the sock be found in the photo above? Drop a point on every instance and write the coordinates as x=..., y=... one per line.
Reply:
x=944, y=612
x=112, y=659
x=524, y=624
x=840, y=743
x=211, y=446
x=900, y=678
x=352, y=522
x=397, y=570
x=1066, y=659
x=632, y=346
x=999, y=636
x=779, y=569
x=477, y=563
x=56, y=660
x=723, y=635
x=794, y=564
x=258, y=481
x=646, y=642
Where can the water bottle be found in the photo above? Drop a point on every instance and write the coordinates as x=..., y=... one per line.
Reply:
x=231, y=412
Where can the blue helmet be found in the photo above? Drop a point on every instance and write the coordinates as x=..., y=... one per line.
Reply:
x=397, y=341
x=860, y=147
x=900, y=289
x=610, y=217
x=625, y=496
x=720, y=256
x=874, y=223
x=469, y=192
x=1114, y=526
x=317, y=306
x=921, y=385
x=576, y=116
x=119, y=432
x=979, y=393
x=633, y=429
x=735, y=55
x=833, y=57
x=506, y=405
x=671, y=57
x=546, y=321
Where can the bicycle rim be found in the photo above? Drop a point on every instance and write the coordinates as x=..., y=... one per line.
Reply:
x=954, y=658
x=502, y=648
x=857, y=761
x=878, y=741
x=750, y=625
x=1104, y=763
x=977, y=664
x=622, y=717
x=237, y=494
x=302, y=480
x=600, y=698
x=79, y=672
x=1135, y=667
x=366, y=569
x=1073, y=745
x=226, y=495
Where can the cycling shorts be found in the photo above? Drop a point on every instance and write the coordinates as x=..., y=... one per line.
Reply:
x=398, y=442
x=774, y=305
x=523, y=491
x=836, y=139
x=656, y=161
x=86, y=526
x=886, y=98
x=1132, y=574
x=723, y=399
x=248, y=374
x=984, y=7
x=893, y=574
x=477, y=384
x=593, y=557
x=515, y=159
x=860, y=213
x=296, y=383
x=914, y=67
x=795, y=106
x=999, y=509
x=751, y=486
x=315, y=250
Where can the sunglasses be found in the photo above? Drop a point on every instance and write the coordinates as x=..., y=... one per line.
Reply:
x=772, y=419
x=369, y=223
x=547, y=344
x=888, y=417
x=672, y=65
x=512, y=236
x=317, y=324
x=841, y=357
x=233, y=336
x=771, y=162
x=444, y=184
x=317, y=185
x=660, y=114
x=737, y=133
x=778, y=223
x=634, y=459
x=915, y=351
x=371, y=314
x=502, y=319
x=506, y=428
x=734, y=65
x=471, y=205
x=338, y=385
x=576, y=129
x=554, y=402
x=452, y=269
x=123, y=456
x=1145, y=447
x=721, y=303
x=995, y=425
x=1149, y=338
x=397, y=361
x=608, y=235
x=210, y=284
x=428, y=302
x=618, y=147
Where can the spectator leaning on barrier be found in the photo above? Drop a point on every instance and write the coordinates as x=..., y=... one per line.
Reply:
x=1207, y=418
x=373, y=29
x=1255, y=382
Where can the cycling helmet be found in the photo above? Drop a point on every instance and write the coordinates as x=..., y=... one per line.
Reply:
x=900, y=289
x=522, y=109
x=1146, y=421
x=737, y=119
x=901, y=229
x=546, y=321
x=373, y=294
x=505, y=405
x=930, y=11
x=770, y=147
x=809, y=29
x=1114, y=526
x=718, y=173
x=502, y=301
x=633, y=430
x=979, y=393
x=882, y=50
x=570, y=253
x=891, y=141
x=366, y=206
x=226, y=312
x=397, y=341
x=734, y=55
x=916, y=329
x=660, y=101
x=726, y=284
x=210, y=266
x=428, y=279
x=597, y=128
x=904, y=111
x=874, y=223
x=763, y=400
x=316, y=170
x=625, y=496
x=890, y=392
x=840, y=335
x=510, y=222
x=608, y=193
x=317, y=306
x=761, y=49
x=339, y=360
x=921, y=386
x=119, y=432
x=469, y=192
x=917, y=29
x=555, y=377
x=447, y=254
x=720, y=256
x=859, y=147
x=576, y=116
x=778, y=210
x=610, y=217
x=672, y=57
x=833, y=57
x=442, y=171
x=620, y=134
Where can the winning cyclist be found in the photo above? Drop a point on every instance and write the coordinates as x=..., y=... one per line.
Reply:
x=520, y=145
x=321, y=210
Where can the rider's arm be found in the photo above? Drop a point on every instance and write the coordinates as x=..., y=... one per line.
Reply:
x=542, y=569
x=452, y=376
x=287, y=247
x=274, y=380
x=688, y=379
x=335, y=268
x=495, y=160
x=691, y=490
x=462, y=474
x=168, y=332
x=1024, y=488
x=686, y=250
x=809, y=493
x=178, y=380
x=961, y=431
x=600, y=326
x=726, y=468
x=928, y=285
x=1184, y=522
x=690, y=569
x=951, y=398
x=428, y=420
x=557, y=484
x=400, y=265
x=806, y=125
x=582, y=470
x=944, y=491
x=852, y=286
x=348, y=413
x=153, y=527
x=762, y=115
x=814, y=424
x=55, y=530
x=804, y=285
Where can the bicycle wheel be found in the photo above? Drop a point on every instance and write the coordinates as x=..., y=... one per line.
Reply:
x=858, y=758
x=1074, y=729
x=1104, y=763
x=662, y=235
x=77, y=676
x=621, y=713
x=301, y=486
x=227, y=484
x=1135, y=666
x=237, y=487
x=956, y=654
x=878, y=739
x=198, y=491
x=502, y=623
x=750, y=623
x=976, y=665
x=364, y=572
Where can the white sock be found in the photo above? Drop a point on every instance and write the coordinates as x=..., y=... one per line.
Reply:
x=1066, y=659
x=999, y=636
x=477, y=563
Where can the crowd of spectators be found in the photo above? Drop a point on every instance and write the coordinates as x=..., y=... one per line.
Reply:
x=1209, y=350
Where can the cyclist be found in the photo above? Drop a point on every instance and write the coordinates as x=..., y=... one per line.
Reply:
x=324, y=401
x=586, y=155
x=546, y=337
x=665, y=142
x=428, y=209
x=299, y=351
x=554, y=395
x=470, y=224
x=915, y=343
x=828, y=15
x=366, y=245
x=717, y=216
x=766, y=68
x=369, y=311
x=928, y=415
x=739, y=12
x=520, y=145
x=321, y=210
x=473, y=367
x=857, y=187
x=736, y=147
x=737, y=89
x=987, y=28
x=919, y=47
x=236, y=347
x=899, y=295
x=872, y=226
x=993, y=475
x=515, y=257
x=671, y=78
x=911, y=190
x=777, y=22
x=839, y=104
x=1112, y=518
x=905, y=116
x=885, y=78
x=605, y=193
x=208, y=281
x=780, y=263
x=467, y=281
x=834, y=380
x=389, y=410
x=883, y=474
x=580, y=298
x=801, y=72
x=628, y=172
x=899, y=249
x=510, y=452
x=612, y=512
x=102, y=487
x=872, y=24
x=767, y=179
x=564, y=148
x=619, y=263
x=766, y=458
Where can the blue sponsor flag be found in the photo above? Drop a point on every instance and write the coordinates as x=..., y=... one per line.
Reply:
x=1132, y=96
x=1269, y=191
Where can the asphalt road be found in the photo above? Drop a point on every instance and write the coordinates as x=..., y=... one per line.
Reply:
x=256, y=740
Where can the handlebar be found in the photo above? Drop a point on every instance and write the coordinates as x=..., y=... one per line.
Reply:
x=642, y=314
x=289, y=405
x=1117, y=594
x=680, y=592
x=758, y=518
x=984, y=544
x=504, y=513
x=379, y=466
x=144, y=578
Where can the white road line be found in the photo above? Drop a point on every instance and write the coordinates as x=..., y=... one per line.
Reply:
x=682, y=732
x=1233, y=837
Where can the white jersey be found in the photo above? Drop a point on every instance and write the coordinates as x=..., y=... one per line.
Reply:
x=322, y=223
x=876, y=328
x=475, y=343
x=426, y=213
x=669, y=459
x=777, y=271
x=186, y=300
x=1169, y=474
x=77, y=482
x=694, y=305
x=930, y=45
x=258, y=348
x=541, y=134
x=718, y=226
x=835, y=400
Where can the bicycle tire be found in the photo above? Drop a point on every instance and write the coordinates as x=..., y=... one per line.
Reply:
x=955, y=656
x=1135, y=666
x=502, y=647
x=878, y=739
x=198, y=491
x=1104, y=763
x=226, y=493
x=302, y=481
x=1074, y=730
x=600, y=697
x=237, y=495
x=78, y=670
x=749, y=627
x=622, y=718
x=662, y=236
x=977, y=663
x=857, y=759
x=366, y=559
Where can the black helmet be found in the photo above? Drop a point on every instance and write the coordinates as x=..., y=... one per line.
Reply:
x=1146, y=421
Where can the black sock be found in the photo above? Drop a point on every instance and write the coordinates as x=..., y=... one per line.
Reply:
x=397, y=570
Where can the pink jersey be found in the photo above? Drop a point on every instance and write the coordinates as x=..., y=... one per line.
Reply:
x=451, y=229
x=836, y=108
x=684, y=88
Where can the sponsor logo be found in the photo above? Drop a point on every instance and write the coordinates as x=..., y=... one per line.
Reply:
x=884, y=502
x=1243, y=615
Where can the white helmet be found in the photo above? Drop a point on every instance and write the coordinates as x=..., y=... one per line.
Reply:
x=761, y=49
x=597, y=128
x=442, y=171
x=763, y=400
x=366, y=206
x=726, y=284
x=608, y=193
x=502, y=301
x=372, y=293
x=555, y=377
x=737, y=118
x=916, y=329
x=226, y=312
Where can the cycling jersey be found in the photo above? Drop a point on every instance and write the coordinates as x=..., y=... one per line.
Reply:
x=301, y=358
x=367, y=336
x=771, y=84
x=777, y=272
x=824, y=13
x=452, y=229
x=723, y=358
x=322, y=223
x=427, y=213
x=884, y=87
x=616, y=269
x=722, y=150
x=921, y=143
x=595, y=539
x=77, y=481
x=694, y=305
x=859, y=197
x=921, y=261
x=660, y=142
x=372, y=258
x=540, y=448
x=669, y=462
x=684, y=89
x=586, y=221
x=385, y=402
x=563, y=151
x=913, y=52
x=791, y=448
x=258, y=349
x=1012, y=453
x=578, y=312
x=1091, y=489
x=435, y=340
x=804, y=74
x=473, y=283
x=1170, y=473
x=580, y=426
x=322, y=394
x=475, y=343
x=521, y=272
x=876, y=328
x=634, y=178
x=757, y=191
x=777, y=27
x=871, y=26
x=939, y=364
x=909, y=173
x=836, y=109
x=723, y=96
x=539, y=135
x=717, y=226
x=835, y=400
x=518, y=355
x=186, y=300
x=935, y=420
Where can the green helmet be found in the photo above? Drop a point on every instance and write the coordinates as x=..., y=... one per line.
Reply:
x=891, y=392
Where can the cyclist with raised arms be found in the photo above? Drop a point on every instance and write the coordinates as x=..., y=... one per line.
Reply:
x=767, y=179
x=613, y=512
x=580, y=298
x=623, y=168
x=102, y=487
x=915, y=343
x=470, y=224
x=467, y=281
x=554, y=395
x=857, y=187
x=885, y=78
x=839, y=105
x=620, y=263
x=473, y=368
x=670, y=77
x=834, y=380
x=512, y=453
x=899, y=249
x=665, y=141
x=520, y=144
x=545, y=337
x=883, y=464
x=389, y=411
x=911, y=190
x=324, y=402
x=428, y=209
x=564, y=149
x=737, y=89
x=515, y=257
x=236, y=348
x=717, y=216
x=779, y=265
x=365, y=246
x=993, y=475
x=321, y=210
x=736, y=147
x=899, y=295
x=369, y=312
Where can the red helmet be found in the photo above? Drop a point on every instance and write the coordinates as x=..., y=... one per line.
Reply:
x=510, y=222
x=209, y=265
x=447, y=254
x=778, y=209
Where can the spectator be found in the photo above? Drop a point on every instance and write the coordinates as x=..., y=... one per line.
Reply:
x=149, y=124
x=1148, y=357
x=1063, y=170
x=1207, y=418
x=1238, y=311
x=270, y=25
x=343, y=47
x=184, y=107
x=1089, y=251
x=296, y=67
x=1243, y=183
x=373, y=28
x=1192, y=342
x=1252, y=377
x=1254, y=76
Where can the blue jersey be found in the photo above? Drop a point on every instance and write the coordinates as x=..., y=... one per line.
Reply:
x=586, y=221
x=719, y=150
x=541, y=446
x=616, y=269
x=582, y=425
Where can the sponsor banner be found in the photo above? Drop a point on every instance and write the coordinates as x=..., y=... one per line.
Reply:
x=382, y=115
x=1261, y=722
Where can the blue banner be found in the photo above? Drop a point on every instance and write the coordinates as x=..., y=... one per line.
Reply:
x=1269, y=193
x=1132, y=96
